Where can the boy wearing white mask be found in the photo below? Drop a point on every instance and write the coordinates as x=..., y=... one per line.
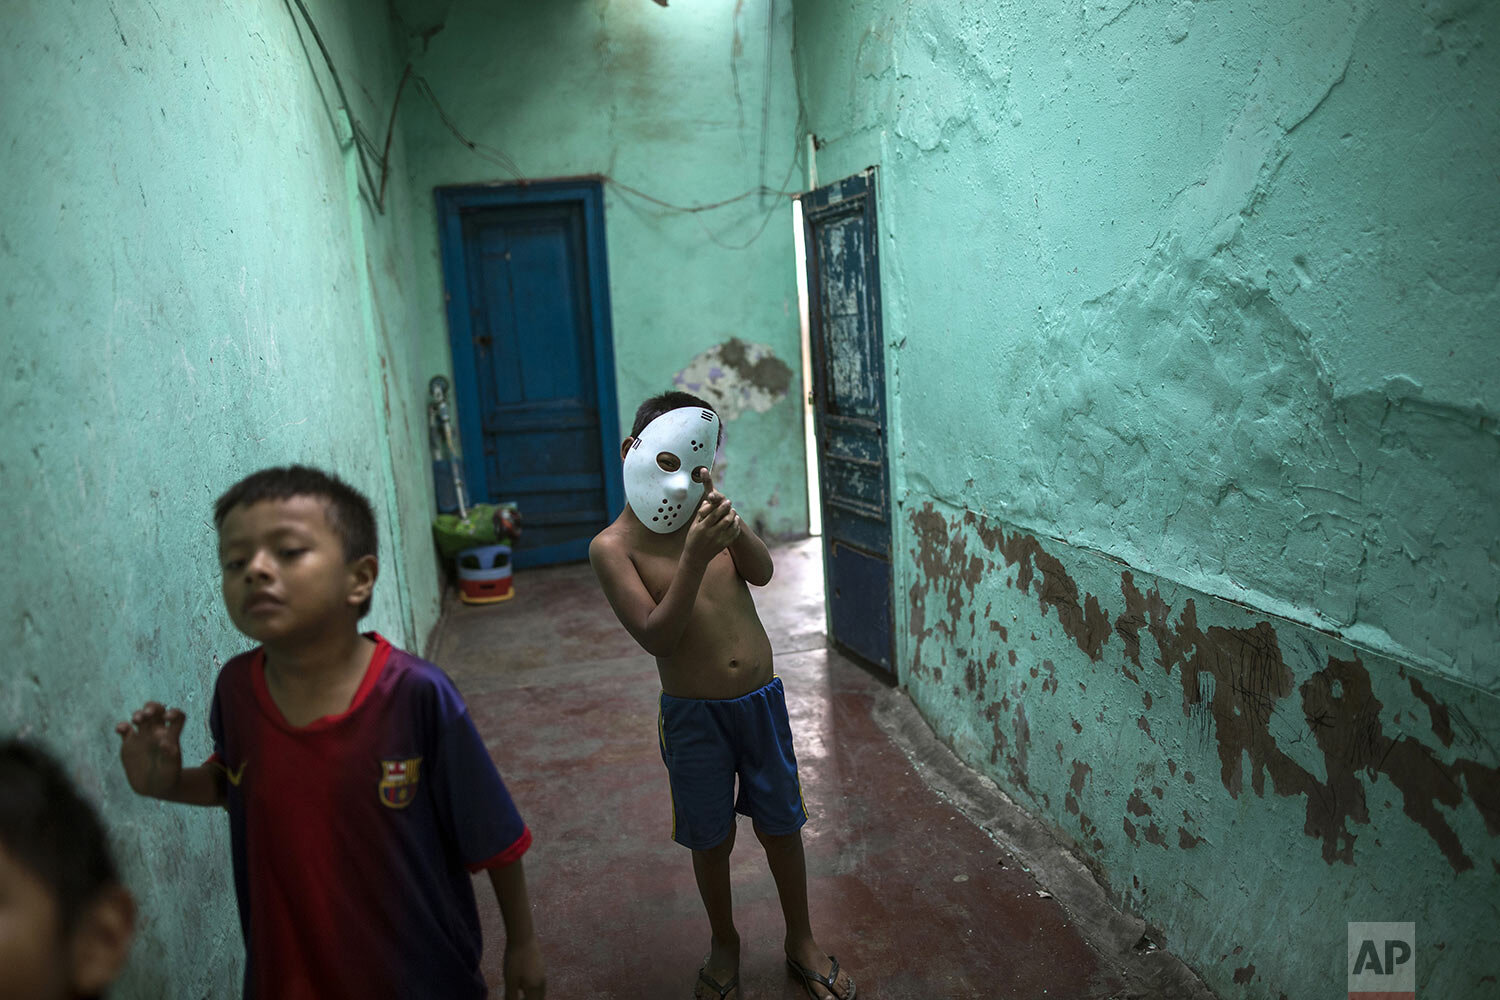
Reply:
x=674, y=566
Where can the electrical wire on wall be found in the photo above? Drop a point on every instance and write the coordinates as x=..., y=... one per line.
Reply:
x=501, y=159
x=366, y=146
x=338, y=86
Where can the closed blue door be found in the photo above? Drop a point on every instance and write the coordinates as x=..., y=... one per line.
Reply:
x=533, y=365
x=849, y=415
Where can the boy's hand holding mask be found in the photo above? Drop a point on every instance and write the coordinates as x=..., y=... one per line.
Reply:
x=715, y=523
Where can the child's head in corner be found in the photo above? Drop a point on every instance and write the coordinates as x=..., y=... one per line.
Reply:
x=66, y=922
x=297, y=552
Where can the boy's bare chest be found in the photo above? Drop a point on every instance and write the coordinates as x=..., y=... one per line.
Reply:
x=657, y=571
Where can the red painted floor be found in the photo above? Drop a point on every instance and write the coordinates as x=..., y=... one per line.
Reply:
x=915, y=900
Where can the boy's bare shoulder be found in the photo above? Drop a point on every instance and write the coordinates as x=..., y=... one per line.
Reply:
x=611, y=543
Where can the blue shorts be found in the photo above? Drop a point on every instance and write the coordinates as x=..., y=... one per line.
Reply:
x=705, y=744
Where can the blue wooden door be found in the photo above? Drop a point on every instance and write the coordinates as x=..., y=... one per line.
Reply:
x=849, y=415
x=534, y=370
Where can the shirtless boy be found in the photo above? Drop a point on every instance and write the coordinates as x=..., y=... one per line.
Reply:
x=674, y=566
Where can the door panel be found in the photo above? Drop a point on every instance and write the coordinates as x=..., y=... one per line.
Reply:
x=849, y=415
x=859, y=607
x=531, y=347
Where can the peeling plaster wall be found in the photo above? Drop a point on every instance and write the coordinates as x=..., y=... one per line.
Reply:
x=671, y=102
x=191, y=290
x=1246, y=784
x=1190, y=310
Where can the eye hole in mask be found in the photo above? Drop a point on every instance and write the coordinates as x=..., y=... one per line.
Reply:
x=668, y=462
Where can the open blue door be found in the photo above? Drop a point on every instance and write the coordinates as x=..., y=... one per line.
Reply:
x=533, y=363
x=848, y=360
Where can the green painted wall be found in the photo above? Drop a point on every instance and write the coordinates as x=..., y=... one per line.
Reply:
x=673, y=102
x=1221, y=281
x=192, y=289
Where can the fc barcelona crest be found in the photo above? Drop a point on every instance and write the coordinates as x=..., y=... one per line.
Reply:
x=398, y=781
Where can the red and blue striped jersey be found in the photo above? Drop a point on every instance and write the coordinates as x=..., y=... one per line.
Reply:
x=354, y=837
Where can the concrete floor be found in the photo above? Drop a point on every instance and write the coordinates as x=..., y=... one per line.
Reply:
x=926, y=882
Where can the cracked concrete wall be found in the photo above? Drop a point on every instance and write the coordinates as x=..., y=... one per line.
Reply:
x=1205, y=292
x=692, y=104
x=191, y=290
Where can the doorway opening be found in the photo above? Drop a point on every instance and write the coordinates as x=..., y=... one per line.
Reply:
x=809, y=431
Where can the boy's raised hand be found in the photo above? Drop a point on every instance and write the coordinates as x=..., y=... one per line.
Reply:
x=715, y=524
x=150, y=749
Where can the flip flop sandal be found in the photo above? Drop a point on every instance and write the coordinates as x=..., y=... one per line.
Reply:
x=719, y=992
x=839, y=985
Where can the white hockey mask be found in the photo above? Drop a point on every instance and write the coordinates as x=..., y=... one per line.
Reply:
x=665, y=500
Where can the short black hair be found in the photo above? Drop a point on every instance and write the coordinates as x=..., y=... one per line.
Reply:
x=51, y=830
x=665, y=402
x=349, y=513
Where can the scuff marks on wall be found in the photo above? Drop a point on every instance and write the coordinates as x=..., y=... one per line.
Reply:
x=1320, y=733
x=736, y=376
